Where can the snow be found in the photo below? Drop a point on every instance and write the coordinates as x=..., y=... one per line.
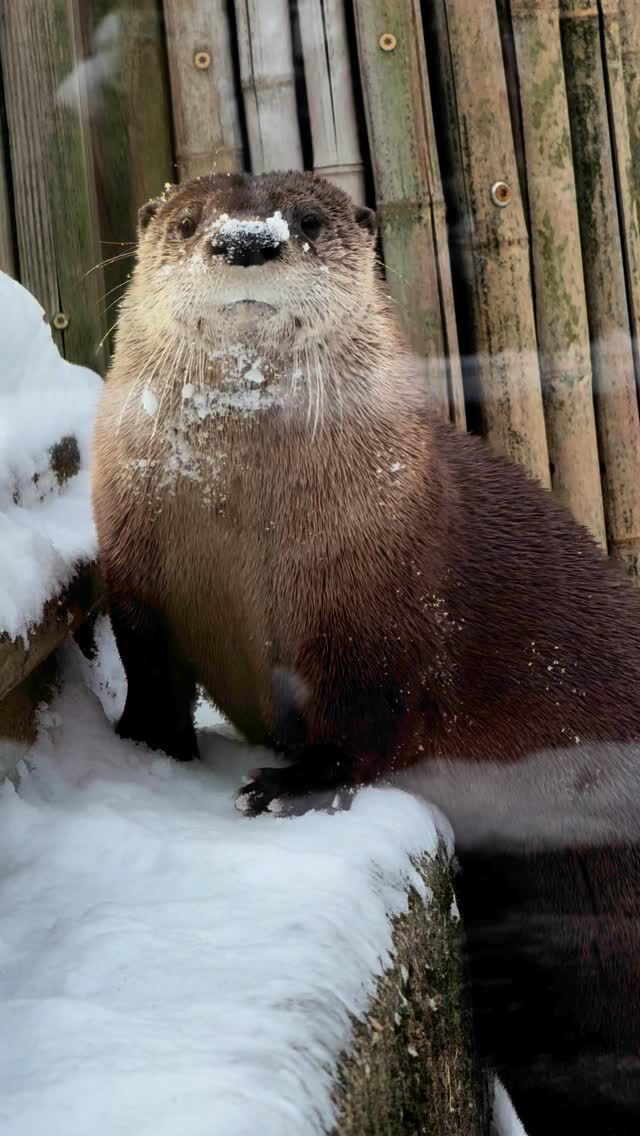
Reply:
x=166, y=965
x=149, y=401
x=45, y=530
x=273, y=231
x=505, y=1121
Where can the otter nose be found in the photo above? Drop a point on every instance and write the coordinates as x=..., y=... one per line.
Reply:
x=245, y=252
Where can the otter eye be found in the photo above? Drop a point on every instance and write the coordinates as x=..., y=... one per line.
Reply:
x=311, y=225
x=187, y=228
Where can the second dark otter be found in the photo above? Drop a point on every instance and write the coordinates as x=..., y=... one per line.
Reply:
x=279, y=520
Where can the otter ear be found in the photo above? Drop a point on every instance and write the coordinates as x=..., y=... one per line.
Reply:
x=367, y=219
x=146, y=213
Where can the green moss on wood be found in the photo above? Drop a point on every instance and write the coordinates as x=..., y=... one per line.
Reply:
x=410, y=1071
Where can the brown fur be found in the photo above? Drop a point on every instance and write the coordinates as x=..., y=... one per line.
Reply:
x=428, y=602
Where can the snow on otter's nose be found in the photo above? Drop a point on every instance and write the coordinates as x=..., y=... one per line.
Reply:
x=272, y=231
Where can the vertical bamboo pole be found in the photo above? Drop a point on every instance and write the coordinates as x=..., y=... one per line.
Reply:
x=507, y=41
x=127, y=98
x=332, y=111
x=409, y=191
x=611, y=354
x=561, y=309
x=489, y=228
x=52, y=175
x=268, y=84
x=623, y=160
x=7, y=252
x=129, y=108
x=206, y=119
x=630, y=44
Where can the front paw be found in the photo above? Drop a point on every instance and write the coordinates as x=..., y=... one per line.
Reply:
x=283, y=792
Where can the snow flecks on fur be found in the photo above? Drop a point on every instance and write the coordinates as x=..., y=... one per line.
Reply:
x=180, y=965
x=273, y=231
x=149, y=402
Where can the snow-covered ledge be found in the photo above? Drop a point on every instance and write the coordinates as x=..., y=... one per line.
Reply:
x=47, y=540
x=188, y=971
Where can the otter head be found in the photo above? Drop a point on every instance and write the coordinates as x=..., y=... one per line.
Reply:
x=281, y=256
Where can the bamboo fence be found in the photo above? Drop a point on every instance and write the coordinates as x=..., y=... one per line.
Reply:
x=206, y=117
x=499, y=142
x=331, y=97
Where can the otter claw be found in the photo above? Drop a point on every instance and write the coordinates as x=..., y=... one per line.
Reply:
x=282, y=793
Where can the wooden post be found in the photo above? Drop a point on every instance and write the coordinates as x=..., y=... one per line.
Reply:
x=488, y=226
x=409, y=191
x=619, y=111
x=52, y=175
x=206, y=118
x=329, y=83
x=611, y=354
x=268, y=84
x=561, y=309
x=130, y=129
x=7, y=251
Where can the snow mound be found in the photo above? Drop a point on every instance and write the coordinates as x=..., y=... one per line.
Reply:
x=168, y=967
x=46, y=529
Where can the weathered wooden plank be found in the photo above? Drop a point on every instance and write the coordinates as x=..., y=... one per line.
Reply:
x=630, y=45
x=206, y=119
x=52, y=171
x=7, y=251
x=268, y=84
x=128, y=103
x=408, y=189
x=561, y=308
x=487, y=224
x=329, y=85
x=622, y=150
x=611, y=353
x=127, y=96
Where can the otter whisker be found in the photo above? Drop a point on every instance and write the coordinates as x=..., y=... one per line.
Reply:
x=110, y=260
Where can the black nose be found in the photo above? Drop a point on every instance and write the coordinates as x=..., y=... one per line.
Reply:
x=244, y=249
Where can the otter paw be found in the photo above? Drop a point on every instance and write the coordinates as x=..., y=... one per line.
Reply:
x=283, y=793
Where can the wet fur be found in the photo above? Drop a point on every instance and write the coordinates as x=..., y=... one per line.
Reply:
x=433, y=609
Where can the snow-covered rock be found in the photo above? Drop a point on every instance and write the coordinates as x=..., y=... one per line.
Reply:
x=46, y=529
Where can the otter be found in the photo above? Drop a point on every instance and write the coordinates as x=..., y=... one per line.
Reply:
x=378, y=597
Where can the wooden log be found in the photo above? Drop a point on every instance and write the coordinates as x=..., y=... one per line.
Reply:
x=18, y=715
x=54, y=191
x=411, y=1066
x=611, y=354
x=27, y=670
x=63, y=613
x=329, y=84
x=488, y=228
x=7, y=251
x=561, y=309
x=409, y=191
x=619, y=119
x=268, y=84
x=206, y=120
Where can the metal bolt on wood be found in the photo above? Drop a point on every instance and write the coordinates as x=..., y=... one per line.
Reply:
x=501, y=194
x=387, y=41
x=202, y=59
x=60, y=321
